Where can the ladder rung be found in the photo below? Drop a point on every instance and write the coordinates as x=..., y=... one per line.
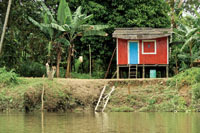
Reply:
x=132, y=72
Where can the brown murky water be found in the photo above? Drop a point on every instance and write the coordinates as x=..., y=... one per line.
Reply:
x=100, y=122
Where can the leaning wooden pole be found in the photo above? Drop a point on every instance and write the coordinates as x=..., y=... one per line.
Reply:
x=108, y=97
x=5, y=24
x=100, y=98
x=110, y=63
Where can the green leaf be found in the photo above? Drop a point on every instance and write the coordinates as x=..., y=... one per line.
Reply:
x=69, y=15
x=46, y=9
x=100, y=27
x=62, y=13
x=63, y=41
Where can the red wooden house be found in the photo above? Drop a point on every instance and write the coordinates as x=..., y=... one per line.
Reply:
x=142, y=52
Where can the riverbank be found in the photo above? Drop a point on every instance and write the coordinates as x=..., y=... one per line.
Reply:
x=180, y=93
x=73, y=95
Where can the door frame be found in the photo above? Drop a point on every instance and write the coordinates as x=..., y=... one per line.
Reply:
x=138, y=43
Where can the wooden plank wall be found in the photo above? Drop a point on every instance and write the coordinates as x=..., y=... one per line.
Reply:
x=122, y=52
x=159, y=58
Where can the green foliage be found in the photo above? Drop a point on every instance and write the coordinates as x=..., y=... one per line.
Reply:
x=189, y=77
x=31, y=69
x=7, y=77
x=186, y=38
x=77, y=65
x=196, y=92
x=98, y=70
x=23, y=41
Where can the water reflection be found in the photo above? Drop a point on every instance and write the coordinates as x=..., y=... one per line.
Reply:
x=99, y=123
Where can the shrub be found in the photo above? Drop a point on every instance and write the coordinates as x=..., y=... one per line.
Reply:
x=189, y=77
x=196, y=92
x=32, y=69
x=7, y=77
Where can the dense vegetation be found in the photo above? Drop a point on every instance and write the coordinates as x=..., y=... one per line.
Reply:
x=24, y=44
x=25, y=48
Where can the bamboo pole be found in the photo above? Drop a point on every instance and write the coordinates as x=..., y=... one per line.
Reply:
x=5, y=24
x=100, y=98
x=108, y=96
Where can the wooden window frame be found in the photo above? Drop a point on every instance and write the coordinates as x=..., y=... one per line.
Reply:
x=155, y=47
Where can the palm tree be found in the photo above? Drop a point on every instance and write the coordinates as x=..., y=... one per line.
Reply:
x=5, y=24
x=75, y=25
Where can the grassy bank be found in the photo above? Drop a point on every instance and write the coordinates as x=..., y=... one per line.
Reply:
x=181, y=93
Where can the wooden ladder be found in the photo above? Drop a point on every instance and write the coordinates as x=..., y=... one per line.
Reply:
x=133, y=69
x=104, y=100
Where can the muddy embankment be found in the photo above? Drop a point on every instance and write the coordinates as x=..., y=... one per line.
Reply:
x=80, y=94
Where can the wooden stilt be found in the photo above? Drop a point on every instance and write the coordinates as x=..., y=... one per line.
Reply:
x=129, y=71
x=117, y=72
x=143, y=74
x=136, y=71
x=167, y=72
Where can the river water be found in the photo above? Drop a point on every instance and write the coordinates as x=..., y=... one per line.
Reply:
x=100, y=122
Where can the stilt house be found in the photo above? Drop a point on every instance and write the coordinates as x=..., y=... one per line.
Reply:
x=142, y=52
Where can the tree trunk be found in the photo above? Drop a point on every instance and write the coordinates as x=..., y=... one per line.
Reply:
x=58, y=63
x=5, y=24
x=67, y=75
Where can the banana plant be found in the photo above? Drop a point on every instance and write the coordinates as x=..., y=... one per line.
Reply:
x=188, y=32
x=55, y=37
x=74, y=25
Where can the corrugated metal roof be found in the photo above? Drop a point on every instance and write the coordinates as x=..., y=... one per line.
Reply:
x=141, y=33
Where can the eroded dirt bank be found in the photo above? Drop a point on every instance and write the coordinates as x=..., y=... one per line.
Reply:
x=82, y=94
